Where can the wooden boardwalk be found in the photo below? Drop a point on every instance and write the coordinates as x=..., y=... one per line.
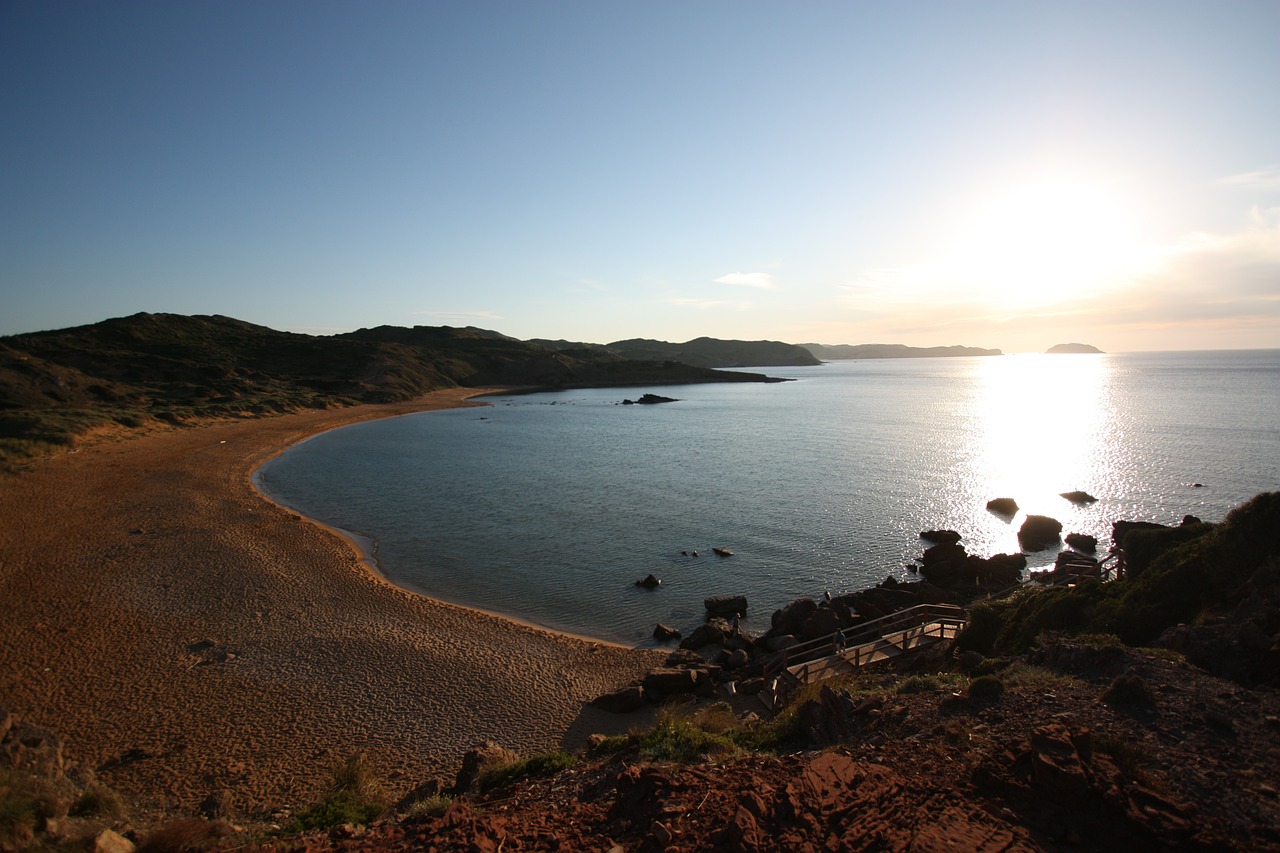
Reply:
x=903, y=633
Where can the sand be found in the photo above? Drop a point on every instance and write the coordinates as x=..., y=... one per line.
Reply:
x=184, y=635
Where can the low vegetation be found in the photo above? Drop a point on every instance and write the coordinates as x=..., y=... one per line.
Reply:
x=546, y=764
x=355, y=795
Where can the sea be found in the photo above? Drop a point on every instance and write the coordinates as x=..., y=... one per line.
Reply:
x=549, y=507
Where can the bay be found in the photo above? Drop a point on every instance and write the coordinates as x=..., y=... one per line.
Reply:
x=548, y=507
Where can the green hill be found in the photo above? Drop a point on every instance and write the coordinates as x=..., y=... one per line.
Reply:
x=128, y=371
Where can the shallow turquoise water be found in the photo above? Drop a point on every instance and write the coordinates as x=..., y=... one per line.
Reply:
x=550, y=506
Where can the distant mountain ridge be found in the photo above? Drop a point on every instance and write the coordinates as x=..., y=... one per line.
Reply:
x=700, y=352
x=127, y=371
x=849, y=351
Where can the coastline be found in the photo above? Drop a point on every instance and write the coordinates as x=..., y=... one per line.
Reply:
x=185, y=635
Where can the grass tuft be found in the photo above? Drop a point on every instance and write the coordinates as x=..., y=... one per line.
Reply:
x=355, y=796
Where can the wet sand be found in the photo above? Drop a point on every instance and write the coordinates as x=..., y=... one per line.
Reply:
x=184, y=635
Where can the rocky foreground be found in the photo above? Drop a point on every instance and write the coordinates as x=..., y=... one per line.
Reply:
x=1136, y=714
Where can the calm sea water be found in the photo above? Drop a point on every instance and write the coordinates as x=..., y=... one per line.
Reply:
x=550, y=506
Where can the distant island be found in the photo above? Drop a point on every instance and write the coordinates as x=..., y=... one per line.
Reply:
x=1061, y=349
x=851, y=351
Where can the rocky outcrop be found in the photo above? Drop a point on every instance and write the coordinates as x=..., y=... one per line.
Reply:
x=945, y=537
x=649, y=400
x=1039, y=532
x=1004, y=506
x=1082, y=542
x=726, y=605
x=951, y=567
x=1079, y=497
x=477, y=760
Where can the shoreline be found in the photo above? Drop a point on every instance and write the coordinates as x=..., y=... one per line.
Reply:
x=185, y=635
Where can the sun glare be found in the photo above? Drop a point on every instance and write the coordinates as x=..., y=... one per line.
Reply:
x=1047, y=241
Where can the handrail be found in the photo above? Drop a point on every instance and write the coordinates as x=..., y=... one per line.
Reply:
x=905, y=641
x=908, y=618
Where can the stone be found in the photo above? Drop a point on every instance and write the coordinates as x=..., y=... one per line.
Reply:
x=1004, y=506
x=737, y=659
x=649, y=582
x=479, y=759
x=670, y=681
x=822, y=622
x=620, y=701
x=1082, y=542
x=1121, y=529
x=109, y=841
x=711, y=633
x=1038, y=532
x=780, y=642
x=217, y=805
x=947, y=537
x=726, y=605
x=663, y=633
x=1079, y=497
x=788, y=619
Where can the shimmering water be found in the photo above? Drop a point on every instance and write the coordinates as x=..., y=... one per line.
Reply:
x=550, y=506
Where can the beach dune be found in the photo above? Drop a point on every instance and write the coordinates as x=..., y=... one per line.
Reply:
x=184, y=635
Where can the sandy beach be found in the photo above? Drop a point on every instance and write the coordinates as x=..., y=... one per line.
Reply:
x=184, y=635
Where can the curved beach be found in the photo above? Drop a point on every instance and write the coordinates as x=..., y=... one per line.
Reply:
x=186, y=636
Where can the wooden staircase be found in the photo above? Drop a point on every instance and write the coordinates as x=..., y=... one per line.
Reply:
x=903, y=633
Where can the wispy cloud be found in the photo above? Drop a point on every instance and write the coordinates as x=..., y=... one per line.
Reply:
x=1266, y=178
x=761, y=280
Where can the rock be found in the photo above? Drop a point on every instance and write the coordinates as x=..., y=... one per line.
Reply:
x=789, y=619
x=949, y=537
x=109, y=841
x=737, y=659
x=1058, y=767
x=1188, y=520
x=479, y=759
x=420, y=793
x=751, y=686
x=722, y=552
x=726, y=605
x=649, y=582
x=1004, y=506
x=621, y=701
x=1121, y=529
x=970, y=660
x=1039, y=532
x=711, y=633
x=781, y=641
x=1079, y=497
x=822, y=622
x=663, y=633
x=670, y=681
x=1082, y=542
x=649, y=399
x=217, y=805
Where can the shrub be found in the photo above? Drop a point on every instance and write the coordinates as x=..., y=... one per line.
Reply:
x=986, y=688
x=1131, y=758
x=1129, y=690
x=546, y=764
x=355, y=796
x=928, y=683
x=98, y=799
x=430, y=807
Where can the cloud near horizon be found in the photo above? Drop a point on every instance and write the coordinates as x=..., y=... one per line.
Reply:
x=1266, y=178
x=761, y=280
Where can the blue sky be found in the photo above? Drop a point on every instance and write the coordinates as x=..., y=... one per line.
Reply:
x=1008, y=175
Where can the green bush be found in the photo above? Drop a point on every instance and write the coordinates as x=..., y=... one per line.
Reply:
x=986, y=688
x=355, y=796
x=1129, y=690
x=546, y=764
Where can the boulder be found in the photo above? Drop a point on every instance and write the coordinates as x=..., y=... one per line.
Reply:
x=780, y=642
x=822, y=622
x=621, y=701
x=479, y=759
x=1082, y=542
x=668, y=682
x=1079, y=497
x=789, y=619
x=1039, y=532
x=662, y=633
x=1121, y=529
x=1004, y=506
x=109, y=841
x=736, y=659
x=726, y=605
x=948, y=537
x=649, y=582
x=711, y=633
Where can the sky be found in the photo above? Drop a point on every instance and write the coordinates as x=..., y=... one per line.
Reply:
x=1008, y=175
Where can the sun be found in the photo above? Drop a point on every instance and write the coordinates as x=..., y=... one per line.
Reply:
x=1046, y=240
